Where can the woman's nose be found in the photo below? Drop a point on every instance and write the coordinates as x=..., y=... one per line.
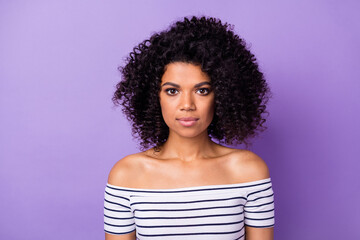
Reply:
x=187, y=102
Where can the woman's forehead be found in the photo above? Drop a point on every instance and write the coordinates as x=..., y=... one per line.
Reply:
x=182, y=73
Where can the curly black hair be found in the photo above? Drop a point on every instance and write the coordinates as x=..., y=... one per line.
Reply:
x=240, y=90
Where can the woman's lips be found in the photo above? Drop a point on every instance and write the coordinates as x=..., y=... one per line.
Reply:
x=188, y=121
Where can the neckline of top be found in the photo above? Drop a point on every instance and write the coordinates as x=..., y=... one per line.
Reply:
x=231, y=185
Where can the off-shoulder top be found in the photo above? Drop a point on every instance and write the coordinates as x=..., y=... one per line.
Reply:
x=201, y=212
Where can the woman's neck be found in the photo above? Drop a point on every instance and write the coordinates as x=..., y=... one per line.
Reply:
x=188, y=149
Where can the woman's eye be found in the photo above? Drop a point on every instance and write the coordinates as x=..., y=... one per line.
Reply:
x=204, y=91
x=171, y=91
x=174, y=91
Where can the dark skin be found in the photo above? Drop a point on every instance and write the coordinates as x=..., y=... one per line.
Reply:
x=189, y=157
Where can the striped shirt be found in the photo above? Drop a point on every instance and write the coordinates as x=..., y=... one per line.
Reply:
x=201, y=212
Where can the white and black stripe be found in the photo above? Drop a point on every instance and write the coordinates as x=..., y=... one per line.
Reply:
x=203, y=212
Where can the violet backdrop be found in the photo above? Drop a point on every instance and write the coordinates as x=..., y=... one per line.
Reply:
x=60, y=135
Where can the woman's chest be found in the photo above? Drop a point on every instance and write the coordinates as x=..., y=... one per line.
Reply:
x=168, y=174
x=204, y=214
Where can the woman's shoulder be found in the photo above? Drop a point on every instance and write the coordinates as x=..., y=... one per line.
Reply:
x=125, y=172
x=246, y=166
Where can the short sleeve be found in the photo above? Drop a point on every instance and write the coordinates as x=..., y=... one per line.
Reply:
x=118, y=217
x=259, y=209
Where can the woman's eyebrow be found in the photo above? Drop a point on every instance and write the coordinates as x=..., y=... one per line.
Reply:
x=178, y=86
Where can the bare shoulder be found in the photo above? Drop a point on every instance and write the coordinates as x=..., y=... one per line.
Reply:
x=247, y=166
x=125, y=171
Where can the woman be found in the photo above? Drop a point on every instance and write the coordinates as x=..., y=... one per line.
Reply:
x=181, y=88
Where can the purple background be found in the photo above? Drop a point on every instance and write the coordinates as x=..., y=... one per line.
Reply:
x=60, y=136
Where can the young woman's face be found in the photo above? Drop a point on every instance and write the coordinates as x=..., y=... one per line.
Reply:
x=186, y=99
